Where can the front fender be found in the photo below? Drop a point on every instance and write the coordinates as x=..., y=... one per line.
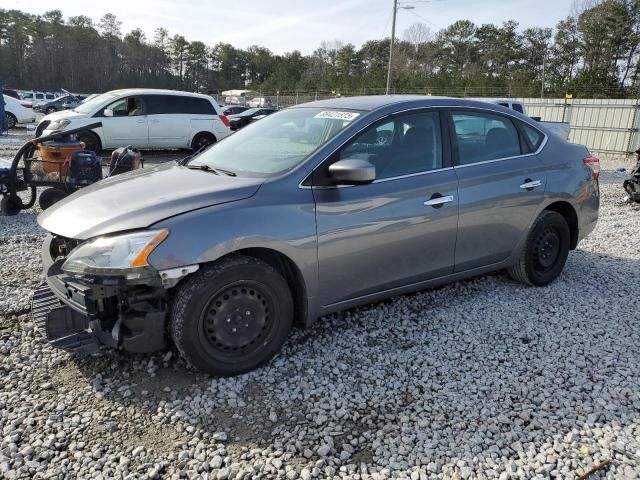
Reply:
x=282, y=220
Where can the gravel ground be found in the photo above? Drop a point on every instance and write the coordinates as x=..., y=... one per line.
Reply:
x=479, y=379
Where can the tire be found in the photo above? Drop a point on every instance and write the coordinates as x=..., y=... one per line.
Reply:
x=91, y=141
x=11, y=120
x=545, y=252
x=51, y=196
x=51, y=110
x=202, y=140
x=225, y=345
x=10, y=205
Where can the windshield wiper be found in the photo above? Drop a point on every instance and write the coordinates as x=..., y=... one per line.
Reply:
x=227, y=172
x=202, y=167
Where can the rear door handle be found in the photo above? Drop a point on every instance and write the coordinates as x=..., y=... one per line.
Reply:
x=531, y=184
x=439, y=201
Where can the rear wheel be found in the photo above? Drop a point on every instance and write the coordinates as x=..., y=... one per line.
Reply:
x=545, y=252
x=232, y=316
x=91, y=141
x=202, y=140
x=11, y=120
x=51, y=196
x=50, y=110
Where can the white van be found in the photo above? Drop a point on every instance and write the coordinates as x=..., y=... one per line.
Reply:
x=143, y=118
x=17, y=111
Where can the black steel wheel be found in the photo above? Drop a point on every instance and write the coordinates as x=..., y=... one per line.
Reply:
x=545, y=252
x=91, y=141
x=202, y=140
x=10, y=120
x=232, y=316
x=51, y=196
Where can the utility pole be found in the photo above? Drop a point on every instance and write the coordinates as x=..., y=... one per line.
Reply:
x=544, y=62
x=393, y=37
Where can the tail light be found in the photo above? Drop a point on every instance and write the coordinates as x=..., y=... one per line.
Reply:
x=594, y=164
x=225, y=120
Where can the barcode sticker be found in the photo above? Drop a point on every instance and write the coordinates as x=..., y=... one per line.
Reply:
x=348, y=116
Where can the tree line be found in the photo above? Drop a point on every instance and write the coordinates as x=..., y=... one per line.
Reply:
x=593, y=52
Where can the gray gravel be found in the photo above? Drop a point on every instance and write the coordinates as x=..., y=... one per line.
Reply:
x=479, y=379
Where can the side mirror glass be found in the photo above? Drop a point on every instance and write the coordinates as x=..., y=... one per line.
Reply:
x=352, y=172
x=108, y=112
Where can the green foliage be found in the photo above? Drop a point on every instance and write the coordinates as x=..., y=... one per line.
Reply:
x=595, y=52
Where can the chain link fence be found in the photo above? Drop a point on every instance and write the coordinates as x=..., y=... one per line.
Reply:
x=609, y=126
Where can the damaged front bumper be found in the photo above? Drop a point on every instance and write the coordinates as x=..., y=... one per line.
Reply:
x=78, y=314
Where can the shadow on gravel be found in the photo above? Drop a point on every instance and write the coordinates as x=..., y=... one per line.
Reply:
x=484, y=366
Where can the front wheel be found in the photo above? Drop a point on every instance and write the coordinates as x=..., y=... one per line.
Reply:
x=91, y=141
x=232, y=316
x=545, y=252
x=50, y=110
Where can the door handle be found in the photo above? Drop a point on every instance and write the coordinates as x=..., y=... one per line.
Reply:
x=530, y=184
x=437, y=202
x=140, y=121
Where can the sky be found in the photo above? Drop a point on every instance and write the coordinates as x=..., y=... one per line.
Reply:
x=287, y=25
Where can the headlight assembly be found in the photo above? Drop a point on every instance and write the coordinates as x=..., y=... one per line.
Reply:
x=58, y=125
x=116, y=255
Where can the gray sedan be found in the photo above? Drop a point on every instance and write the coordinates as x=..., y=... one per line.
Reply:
x=314, y=209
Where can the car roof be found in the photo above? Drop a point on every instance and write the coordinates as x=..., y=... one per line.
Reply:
x=374, y=102
x=156, y=91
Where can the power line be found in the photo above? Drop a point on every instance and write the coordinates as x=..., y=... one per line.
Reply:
x=424, y=19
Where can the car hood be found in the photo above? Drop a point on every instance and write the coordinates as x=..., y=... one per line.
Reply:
x=141, y=198
x=70, y=114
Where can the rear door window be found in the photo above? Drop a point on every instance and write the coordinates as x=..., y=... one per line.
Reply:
x=483, y=136
x=177, y=104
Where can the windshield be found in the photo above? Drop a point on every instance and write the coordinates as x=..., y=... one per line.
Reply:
x=277, y=143
x=91, y=105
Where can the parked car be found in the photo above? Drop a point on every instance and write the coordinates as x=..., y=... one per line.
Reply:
x=259, y=102
x=58, y=103
x=17, y=111
x=73, y=104
x=143, y=118
x=12, y=92
x=243, y=119
x=304, y=214
x=234, y=109
x=563, y=129
x=37, y=96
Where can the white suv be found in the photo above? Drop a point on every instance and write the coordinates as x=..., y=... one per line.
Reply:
x=143, y=118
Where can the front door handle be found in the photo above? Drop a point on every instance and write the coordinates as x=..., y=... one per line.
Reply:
x=437, y=202
x=530, y=184
x=140, y=121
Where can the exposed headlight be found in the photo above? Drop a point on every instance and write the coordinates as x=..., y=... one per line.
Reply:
x=120, y=254
x=58, y=125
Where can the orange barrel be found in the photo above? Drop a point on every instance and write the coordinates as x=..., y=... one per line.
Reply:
x=56, y=156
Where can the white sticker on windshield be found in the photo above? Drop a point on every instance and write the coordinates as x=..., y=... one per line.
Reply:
x=348, y=116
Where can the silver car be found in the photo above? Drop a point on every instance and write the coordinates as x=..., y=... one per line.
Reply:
x=314, y=209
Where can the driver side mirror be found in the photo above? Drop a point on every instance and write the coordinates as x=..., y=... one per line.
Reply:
x=352, y=172
x=108, y=112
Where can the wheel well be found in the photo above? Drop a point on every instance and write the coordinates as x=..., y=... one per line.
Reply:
x=209, y=134
x=91, y=132
x=567, y=211
x=289, y=270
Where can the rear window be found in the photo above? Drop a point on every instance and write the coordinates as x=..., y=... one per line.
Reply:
x=535, y=137
x=175, y=104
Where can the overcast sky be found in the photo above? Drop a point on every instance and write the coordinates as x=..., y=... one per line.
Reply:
x=286, y=25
